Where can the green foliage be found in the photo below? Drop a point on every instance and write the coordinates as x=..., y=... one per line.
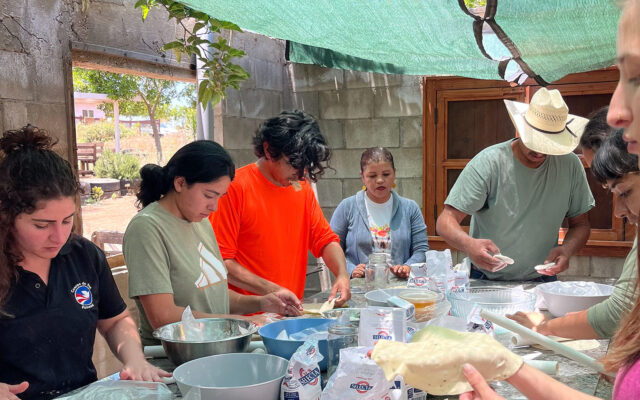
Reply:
x=102, y=132
x=475, y=3
x=96, y=194
x=117, y=166
x=219, y=72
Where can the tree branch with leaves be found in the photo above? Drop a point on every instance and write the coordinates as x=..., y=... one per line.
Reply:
x=219, y=73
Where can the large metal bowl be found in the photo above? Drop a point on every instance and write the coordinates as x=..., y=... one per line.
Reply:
x=241, y=376
x=219, y=336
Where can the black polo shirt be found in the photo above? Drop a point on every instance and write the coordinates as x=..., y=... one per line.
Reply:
x=49, y=340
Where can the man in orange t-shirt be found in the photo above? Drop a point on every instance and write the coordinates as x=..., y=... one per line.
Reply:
x=270, y=217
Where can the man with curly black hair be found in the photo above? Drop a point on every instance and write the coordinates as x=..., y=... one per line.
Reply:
x=270, y=217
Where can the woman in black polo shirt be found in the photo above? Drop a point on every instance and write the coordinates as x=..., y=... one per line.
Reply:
x=56, y=288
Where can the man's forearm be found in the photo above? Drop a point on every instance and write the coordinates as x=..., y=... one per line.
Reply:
x=576, y=238
x=451, y=231
x=243, y=278
x=333, y=257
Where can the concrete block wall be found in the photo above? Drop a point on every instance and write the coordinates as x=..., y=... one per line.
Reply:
x=260, y=97
x=358, y=110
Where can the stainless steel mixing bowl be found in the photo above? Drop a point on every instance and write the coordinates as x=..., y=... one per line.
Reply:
x=214, y=336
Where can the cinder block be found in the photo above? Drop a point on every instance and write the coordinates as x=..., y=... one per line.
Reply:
x=358, y=79
x=306, y=101
x=328, y=212
x=578, y=266
x=49, y=84
x=14, y=115
x=248, y=64
x=17, y=81
x=606, y=267
x=329, y=192
x=232, y=103
x=258, y=103
x=401, y=101
x=307, y=78
x=408, y=162
x=332, y=129
x=346, y=104
x=346, y=164
x=411, y=189
x=268, y=74
x=263, y=47
x=351, y=186
x=411, y=132
x=238, y=132
x=242, y=157
x=365, y=133
x=52, y=117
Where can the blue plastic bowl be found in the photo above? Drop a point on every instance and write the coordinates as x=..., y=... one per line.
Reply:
x=286, y=348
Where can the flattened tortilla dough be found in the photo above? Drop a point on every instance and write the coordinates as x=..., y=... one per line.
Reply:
x=433, y=360
x=317, y=308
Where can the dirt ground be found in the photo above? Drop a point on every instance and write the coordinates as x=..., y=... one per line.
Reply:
x=109, y=214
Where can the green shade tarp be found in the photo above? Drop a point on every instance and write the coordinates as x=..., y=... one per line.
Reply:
x=544, y=39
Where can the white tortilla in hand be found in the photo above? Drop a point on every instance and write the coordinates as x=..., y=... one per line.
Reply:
x=433, y=360
x=317, y=308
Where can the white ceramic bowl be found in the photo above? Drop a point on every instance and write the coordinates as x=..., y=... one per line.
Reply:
x=565, y=297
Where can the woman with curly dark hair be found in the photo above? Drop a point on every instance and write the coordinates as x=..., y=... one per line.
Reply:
x=56, y=288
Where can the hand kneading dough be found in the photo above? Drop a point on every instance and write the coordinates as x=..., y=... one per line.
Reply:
x=433, y=360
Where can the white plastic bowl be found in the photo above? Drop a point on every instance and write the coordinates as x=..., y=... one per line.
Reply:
x=565, y=297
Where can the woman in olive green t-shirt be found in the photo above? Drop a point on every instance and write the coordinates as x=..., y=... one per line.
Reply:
x=614, y=167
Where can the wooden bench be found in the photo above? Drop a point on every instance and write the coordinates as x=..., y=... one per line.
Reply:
x=88, y=154
x=108, y=241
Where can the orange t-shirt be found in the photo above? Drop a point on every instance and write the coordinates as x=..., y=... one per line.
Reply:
x=269, y=229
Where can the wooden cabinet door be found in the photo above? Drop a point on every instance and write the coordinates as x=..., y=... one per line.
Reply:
x=468, y=121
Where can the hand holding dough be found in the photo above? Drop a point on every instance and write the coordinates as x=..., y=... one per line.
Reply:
x=433, y=360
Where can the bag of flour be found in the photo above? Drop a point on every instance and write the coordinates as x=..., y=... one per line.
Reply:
x=357, y=378
x=377, y=323
x=302, y=381
x=418, y=276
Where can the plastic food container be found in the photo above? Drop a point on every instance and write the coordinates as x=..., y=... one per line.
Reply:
x=565, y=297
x=497, y=299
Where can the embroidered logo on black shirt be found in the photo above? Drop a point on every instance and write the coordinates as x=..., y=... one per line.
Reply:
x=82, y=294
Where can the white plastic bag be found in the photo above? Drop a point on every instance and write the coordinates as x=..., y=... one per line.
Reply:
x=357, y=377
x=302, y=381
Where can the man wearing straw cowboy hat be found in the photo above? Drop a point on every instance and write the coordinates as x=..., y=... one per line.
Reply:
x=519, y=192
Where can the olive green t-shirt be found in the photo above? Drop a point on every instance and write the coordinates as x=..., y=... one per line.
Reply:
x=605, y=317
x=166, y=254
x=519, y=208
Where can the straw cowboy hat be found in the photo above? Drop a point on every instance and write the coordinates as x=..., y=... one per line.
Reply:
x=545, y=125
